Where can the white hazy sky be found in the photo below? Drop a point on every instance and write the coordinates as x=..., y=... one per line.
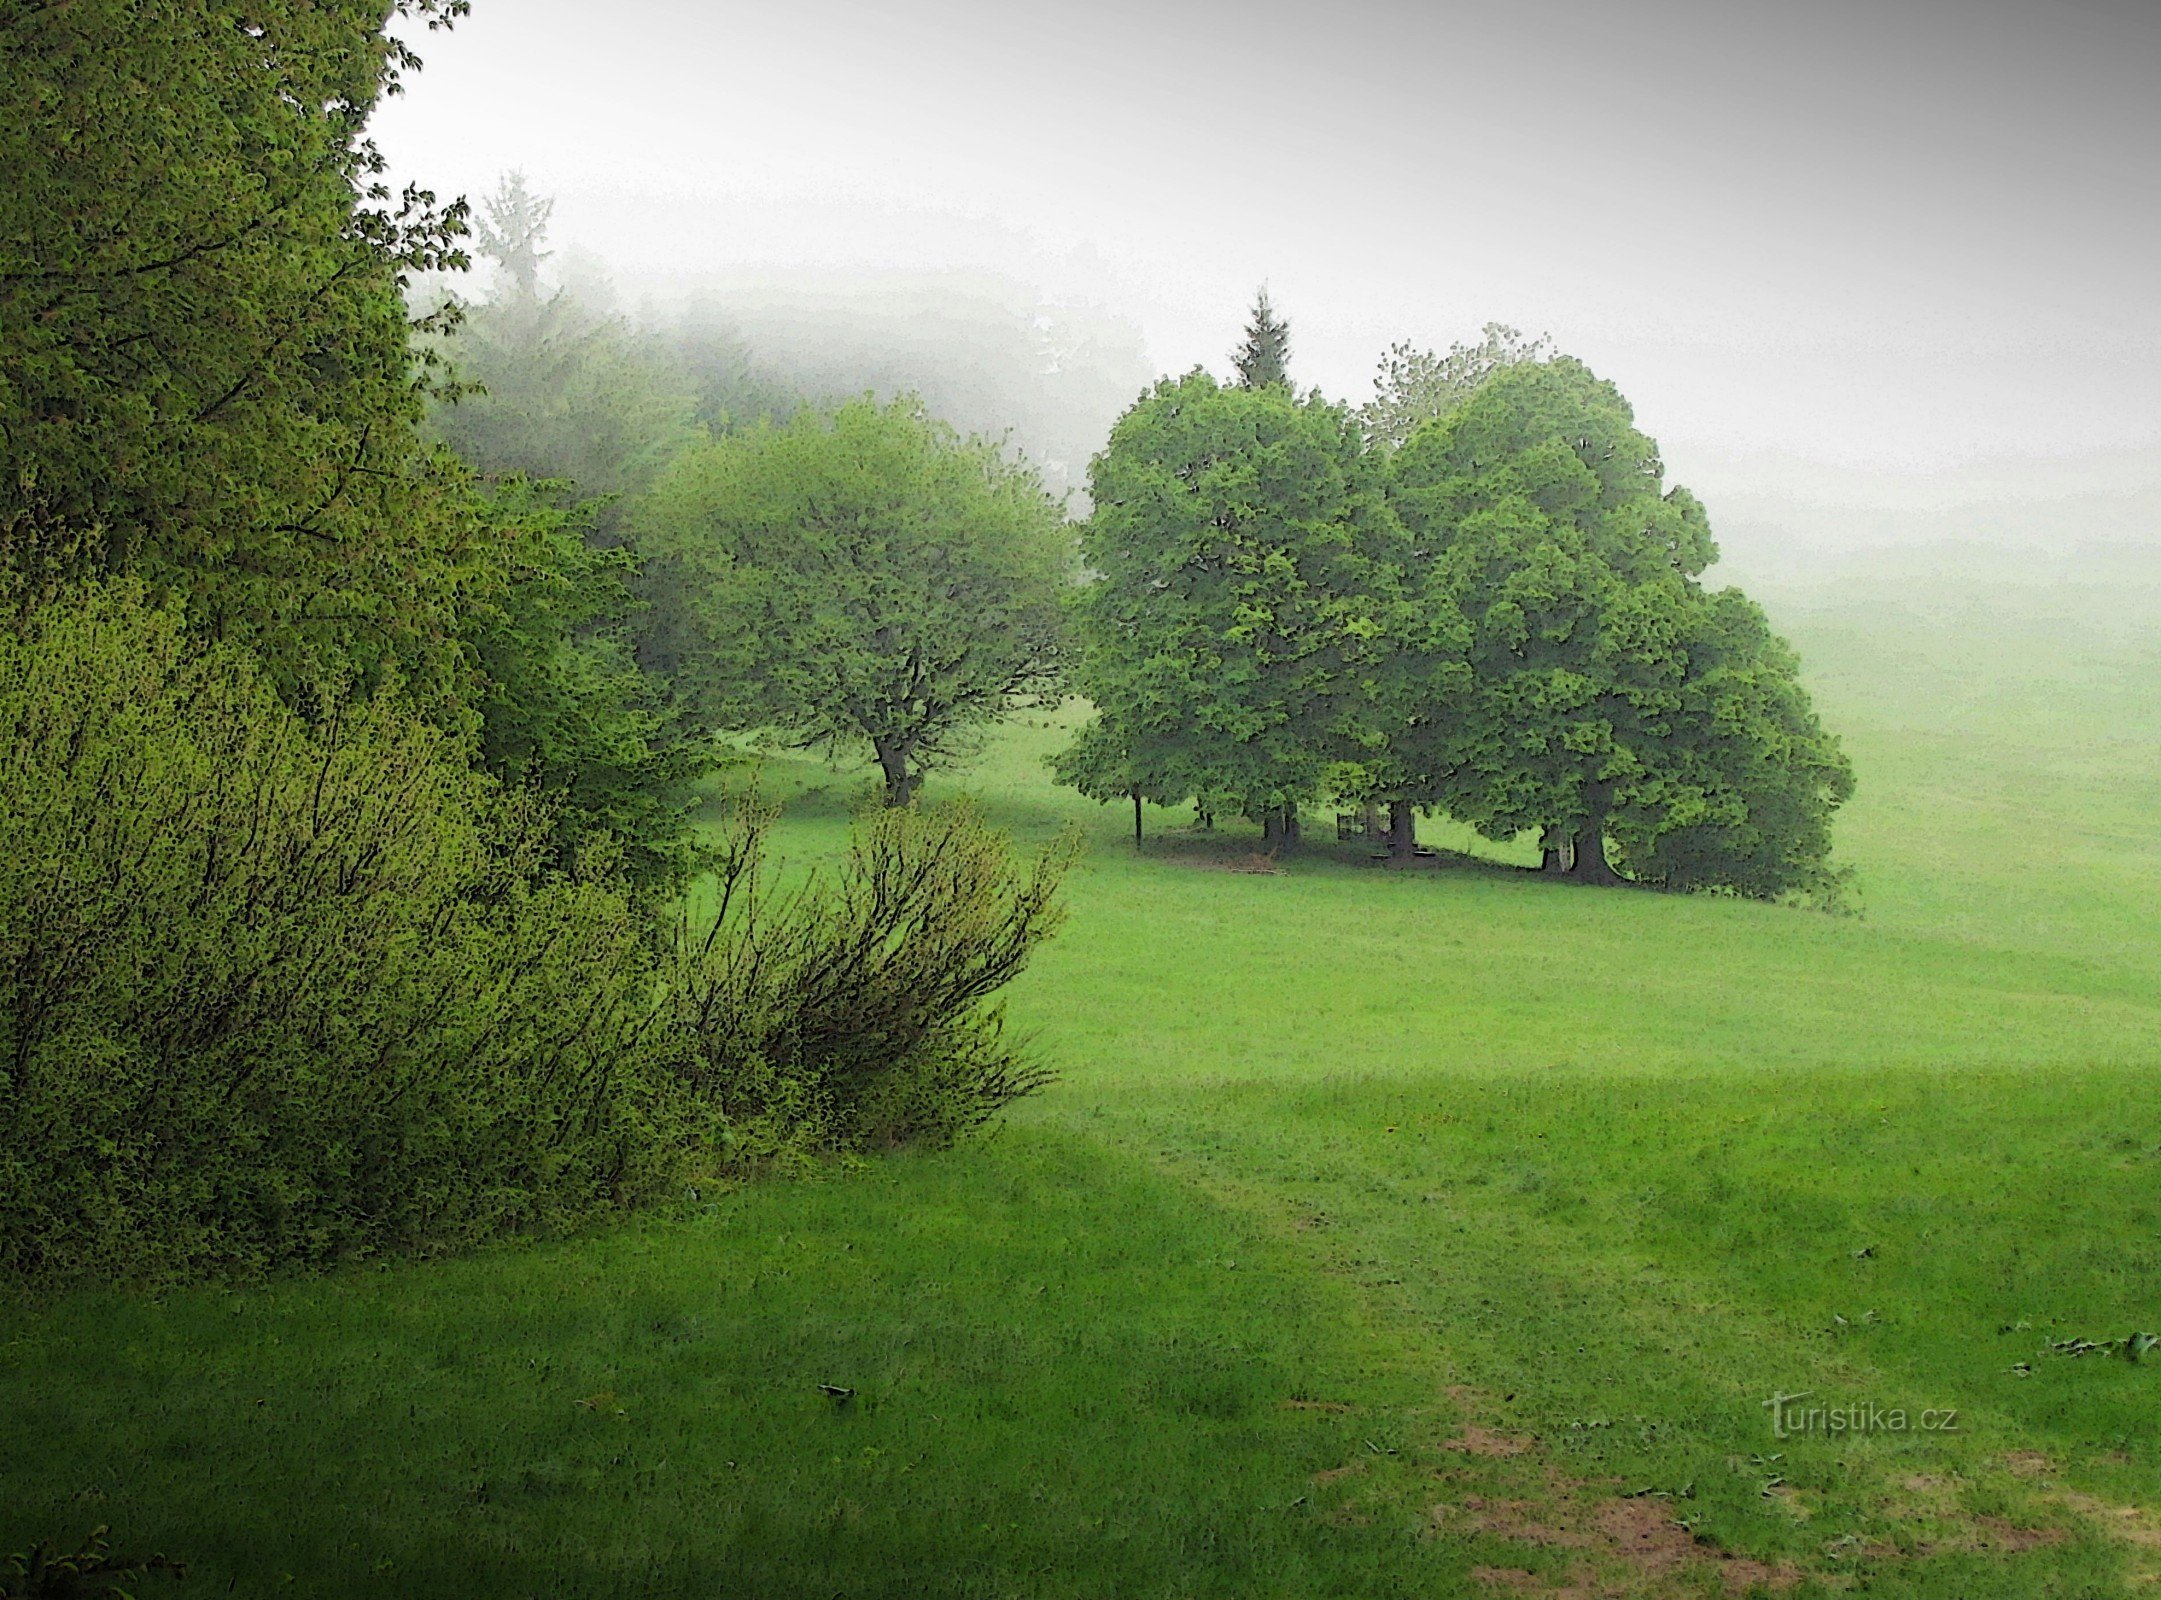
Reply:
x=1899, y=233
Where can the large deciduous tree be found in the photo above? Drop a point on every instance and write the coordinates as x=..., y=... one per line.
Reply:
x=861, y=575
x=1612, y=702
x=1241, y=549
x=205, y=377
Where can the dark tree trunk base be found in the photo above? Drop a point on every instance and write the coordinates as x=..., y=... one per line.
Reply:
x=900, y=783
x=1402, y=832
x=1591, y=865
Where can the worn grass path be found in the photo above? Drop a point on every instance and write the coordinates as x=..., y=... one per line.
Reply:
x=1434, y=1233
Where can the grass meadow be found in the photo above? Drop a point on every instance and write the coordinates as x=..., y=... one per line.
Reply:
x=1433, y=1232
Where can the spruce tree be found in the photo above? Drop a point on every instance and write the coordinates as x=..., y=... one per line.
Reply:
x=1265, y=357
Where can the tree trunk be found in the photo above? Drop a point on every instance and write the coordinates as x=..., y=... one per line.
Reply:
x=1591, y=865
x=893, y=762
x=1136, y=820
x=1554, y=855
x=1402, y=828
x=1204, y=819
x=1279, y=827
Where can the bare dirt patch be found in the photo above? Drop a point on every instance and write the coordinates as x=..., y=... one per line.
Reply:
x=1479, y=1440
x=2133, y=1524
x=2029, y=1464
x=2000, y=1533
x=1524, y=1521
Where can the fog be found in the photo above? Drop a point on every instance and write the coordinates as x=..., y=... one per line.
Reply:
x=1870, y=272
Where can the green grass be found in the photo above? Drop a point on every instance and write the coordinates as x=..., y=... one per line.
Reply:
x=1344, y=1163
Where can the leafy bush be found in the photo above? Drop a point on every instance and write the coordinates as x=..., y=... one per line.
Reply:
x=858, y=1015
x=274, y=990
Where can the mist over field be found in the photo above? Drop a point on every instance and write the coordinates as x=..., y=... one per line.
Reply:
x=1873, y=275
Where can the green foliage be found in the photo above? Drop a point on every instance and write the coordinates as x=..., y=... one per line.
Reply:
x=273, y=991
x=1753, y=778
x=204, y=371
x=858, y=1015
x=564, y=709
x=1263, y=360
x=1415, y=386
x=1242, y=550
x=860, y=575
x=1608, y=697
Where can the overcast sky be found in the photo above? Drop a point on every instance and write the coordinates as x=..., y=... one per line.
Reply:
x=1906, y=233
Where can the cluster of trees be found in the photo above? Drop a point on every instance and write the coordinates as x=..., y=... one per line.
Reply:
x=1474, y=596
x=347, y=818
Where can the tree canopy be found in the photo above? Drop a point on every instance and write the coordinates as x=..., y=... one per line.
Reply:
x=860, y=575
x=1415, y=386
x=1240, y=547
x=205, y=375
x=1610, y=699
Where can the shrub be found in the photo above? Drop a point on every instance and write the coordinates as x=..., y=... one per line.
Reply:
x=858, y=1014
x=277, y=990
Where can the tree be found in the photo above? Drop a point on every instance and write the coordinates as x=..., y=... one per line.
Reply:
x=552, y=385
x=563, y=412
x=511, y=228
x=1415, y=386
x=564, y=709
x=861, y=574
x=1229, y=640
x=1265, y=356
x=205, y=377
x=1611, y=700
x=1754, y=777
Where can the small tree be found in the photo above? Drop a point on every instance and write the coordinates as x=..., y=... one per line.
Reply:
x=511, y=228
x=862, y=575
x=1265, y=356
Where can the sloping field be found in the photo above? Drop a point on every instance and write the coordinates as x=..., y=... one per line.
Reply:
x=1436, y=1232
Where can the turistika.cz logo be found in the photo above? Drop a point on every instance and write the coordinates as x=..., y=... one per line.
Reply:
x=1790, y=1416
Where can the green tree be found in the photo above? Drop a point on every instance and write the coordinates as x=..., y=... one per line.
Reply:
x=205, y=377
x=1414, y=386
x=564, y=709
x=1231, y=639
x=1753, y=777
x=861, y=575
x=1604, y=681
x=1264, y=358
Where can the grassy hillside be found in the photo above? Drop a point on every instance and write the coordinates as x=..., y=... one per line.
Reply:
x=1433, y=1232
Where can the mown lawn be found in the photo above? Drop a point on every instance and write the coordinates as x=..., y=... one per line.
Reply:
x=1435, y=1232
